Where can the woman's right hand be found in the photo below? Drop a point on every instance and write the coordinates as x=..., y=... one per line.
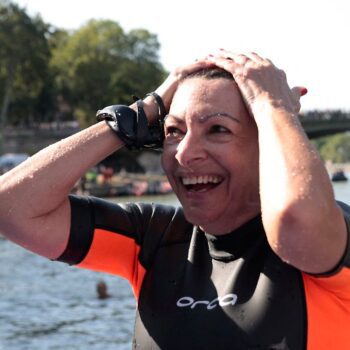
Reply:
x=167, y=89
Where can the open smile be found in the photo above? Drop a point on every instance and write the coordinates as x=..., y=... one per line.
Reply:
x=201, y=183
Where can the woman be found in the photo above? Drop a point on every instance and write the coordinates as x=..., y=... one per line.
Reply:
x=257, y=258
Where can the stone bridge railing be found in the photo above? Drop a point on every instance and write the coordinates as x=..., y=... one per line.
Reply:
x=317, y=124
x=20, y=140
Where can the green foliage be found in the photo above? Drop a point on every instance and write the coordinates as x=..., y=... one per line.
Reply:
x=24, y=56
x=51, y=74
x=335, y=148
x=99, y=65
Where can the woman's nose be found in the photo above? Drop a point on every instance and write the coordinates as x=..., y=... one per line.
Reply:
x=190, y=151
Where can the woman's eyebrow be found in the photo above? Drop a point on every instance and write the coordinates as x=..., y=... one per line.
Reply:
x=177, y=119
x=205, y=118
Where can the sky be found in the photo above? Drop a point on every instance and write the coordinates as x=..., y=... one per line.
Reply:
x=308, y=39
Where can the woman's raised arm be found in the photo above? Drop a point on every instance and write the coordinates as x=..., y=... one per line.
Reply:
x=34, y=205
x=303, y=223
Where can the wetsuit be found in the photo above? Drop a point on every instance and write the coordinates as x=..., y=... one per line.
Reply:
x=198, y=291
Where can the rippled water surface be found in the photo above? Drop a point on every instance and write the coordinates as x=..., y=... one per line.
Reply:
x=46, y=305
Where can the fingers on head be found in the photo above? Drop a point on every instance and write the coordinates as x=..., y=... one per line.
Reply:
x=239, y=58
x=226, y=63
x=255, y=57
x=299, y=91
x=252, y=56
x=199, y=63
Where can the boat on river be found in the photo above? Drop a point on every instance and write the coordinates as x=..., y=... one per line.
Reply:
x=339, y=176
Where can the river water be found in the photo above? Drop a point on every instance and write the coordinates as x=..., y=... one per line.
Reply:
x=52, y=306
x=46, y=305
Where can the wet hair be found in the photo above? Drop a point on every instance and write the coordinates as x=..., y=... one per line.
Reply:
x=210, y=73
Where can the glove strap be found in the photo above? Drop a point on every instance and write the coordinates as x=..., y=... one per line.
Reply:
x=132, y=127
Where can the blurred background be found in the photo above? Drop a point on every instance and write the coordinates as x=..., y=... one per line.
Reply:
x=61, y=61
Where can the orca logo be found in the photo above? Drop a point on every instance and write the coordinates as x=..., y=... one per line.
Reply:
x=228, y=299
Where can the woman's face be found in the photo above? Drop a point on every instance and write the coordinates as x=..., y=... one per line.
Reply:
x=211, y=154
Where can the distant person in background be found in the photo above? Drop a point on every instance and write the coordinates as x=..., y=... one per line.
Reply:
x=107, y=173
x=258, y=255
x=102, y=290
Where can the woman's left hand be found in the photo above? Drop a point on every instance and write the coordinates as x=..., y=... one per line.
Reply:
x=261, y=83
x=303, y=224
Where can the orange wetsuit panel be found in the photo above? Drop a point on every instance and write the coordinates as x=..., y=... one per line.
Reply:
x=328, y=311
x=117, y=254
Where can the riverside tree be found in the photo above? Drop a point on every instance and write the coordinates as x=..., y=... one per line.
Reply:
x=48, y=73
x=99, y=64
x=24, y=57
x=335, y=148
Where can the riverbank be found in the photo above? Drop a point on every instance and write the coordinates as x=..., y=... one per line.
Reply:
x=334, y=167
x=128, y=184
x=124, y=185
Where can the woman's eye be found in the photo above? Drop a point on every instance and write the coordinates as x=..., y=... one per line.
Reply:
x=219, y=129
x=173, y=132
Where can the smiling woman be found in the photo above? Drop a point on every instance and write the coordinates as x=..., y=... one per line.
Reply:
x=257, y=257
x=210, y=135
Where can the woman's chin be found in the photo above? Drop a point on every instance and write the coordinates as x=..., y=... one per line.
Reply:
x=201, y=218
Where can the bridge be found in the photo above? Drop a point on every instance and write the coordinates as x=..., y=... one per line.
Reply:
x=318, y=124
x=30, y=140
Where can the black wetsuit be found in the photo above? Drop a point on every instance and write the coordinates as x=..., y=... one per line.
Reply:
x=198, y=291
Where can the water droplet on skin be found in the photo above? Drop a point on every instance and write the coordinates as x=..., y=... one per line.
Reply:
x=275, y=246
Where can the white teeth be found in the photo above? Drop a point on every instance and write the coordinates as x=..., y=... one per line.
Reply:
x=203, y=179
x=186, y=181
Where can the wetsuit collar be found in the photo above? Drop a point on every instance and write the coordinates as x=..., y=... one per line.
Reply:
x=233, y=245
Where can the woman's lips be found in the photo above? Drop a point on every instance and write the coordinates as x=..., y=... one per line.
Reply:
x=201, y=179
x=200, y=188
x=201, y=183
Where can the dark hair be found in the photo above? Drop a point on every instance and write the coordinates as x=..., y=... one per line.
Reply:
x=211, y=73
